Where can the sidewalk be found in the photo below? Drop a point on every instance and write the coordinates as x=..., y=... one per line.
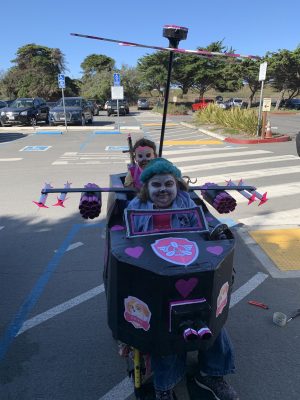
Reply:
x=240, y=139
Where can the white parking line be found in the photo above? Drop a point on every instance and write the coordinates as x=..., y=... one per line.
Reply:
x=52, y=312
x=72, y=246
x=11, y=159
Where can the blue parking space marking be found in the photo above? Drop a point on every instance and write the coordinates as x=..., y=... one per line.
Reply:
x=49, y=133
x=31, y=300
x=116, y=148
x=35, y=148
x=107, y=132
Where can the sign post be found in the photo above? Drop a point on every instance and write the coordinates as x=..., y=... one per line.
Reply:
x=62, y=86
x=117, y=93
x=261, y=77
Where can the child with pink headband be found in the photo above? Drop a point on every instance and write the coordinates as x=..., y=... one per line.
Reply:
x=144, y=151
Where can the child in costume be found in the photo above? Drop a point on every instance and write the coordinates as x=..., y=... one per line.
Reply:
x=163, y=188
x=144, y=150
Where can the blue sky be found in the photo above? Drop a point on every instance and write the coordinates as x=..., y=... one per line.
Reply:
x=252, y=27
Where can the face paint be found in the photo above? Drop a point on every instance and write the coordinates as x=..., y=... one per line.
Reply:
x=162, y=190
x=143, y=155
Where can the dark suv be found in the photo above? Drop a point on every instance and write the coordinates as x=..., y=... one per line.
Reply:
x=78, y=112
x=293, y=104
x=25, y=111
x=112, y=107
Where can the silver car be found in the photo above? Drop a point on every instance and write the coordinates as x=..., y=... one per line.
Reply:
x=143, y=104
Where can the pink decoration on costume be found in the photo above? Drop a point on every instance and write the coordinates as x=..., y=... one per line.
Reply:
x=62, y=197
x=216, y=250
x=117, y=228
x=42, y=201
x=222, y=299
x=134, y=252
x=185, y=287
x=40, y=205
x=180, y=251
x=263, y=199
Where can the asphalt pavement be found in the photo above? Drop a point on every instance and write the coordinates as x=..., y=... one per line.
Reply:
x=54, y=340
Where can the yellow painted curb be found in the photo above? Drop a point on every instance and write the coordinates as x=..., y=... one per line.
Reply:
x=191, y=142
x=281, y=245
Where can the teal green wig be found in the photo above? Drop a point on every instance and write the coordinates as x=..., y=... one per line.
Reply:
x=159, y=166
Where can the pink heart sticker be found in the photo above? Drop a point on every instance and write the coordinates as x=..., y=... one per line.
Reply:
x=185, y=287
x=134, y=252
x=216, y=250
x=117, y=228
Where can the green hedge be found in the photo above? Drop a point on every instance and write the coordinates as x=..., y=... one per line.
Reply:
x=243, y=120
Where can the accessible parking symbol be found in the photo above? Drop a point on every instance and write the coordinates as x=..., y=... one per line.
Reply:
x=35, y=148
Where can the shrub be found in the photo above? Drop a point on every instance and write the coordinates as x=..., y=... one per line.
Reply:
x=172, y=109
x=241, y=119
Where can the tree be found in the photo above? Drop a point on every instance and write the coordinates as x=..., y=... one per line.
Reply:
x=248, y=71
x=35, y=72
x=97, y=86
x=97, y=77
x=131, y=82
x=96, y=63
x=215, y=72
x=284, y=70
x=153, y=71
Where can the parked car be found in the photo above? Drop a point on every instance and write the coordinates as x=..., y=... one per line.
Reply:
x=223, y=105
x=143, y=104
x=25, y=111
x=8, y=102
x=94, y=107
x=236, y=102
x=112, y=107
x=78, y=112
x=202, y=103
x=3, y=104
x=293, y=104
x=51, y=104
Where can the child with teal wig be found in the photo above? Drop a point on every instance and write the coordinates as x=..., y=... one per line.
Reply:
x=164, y=188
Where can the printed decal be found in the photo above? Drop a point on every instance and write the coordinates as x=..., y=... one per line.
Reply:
x=137, y=313
x=222, y=299
x=179, y=251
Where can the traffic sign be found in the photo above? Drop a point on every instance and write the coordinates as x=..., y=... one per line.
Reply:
x=117, y=92
x=61, y=81
x=262, y=71
x=117, y=80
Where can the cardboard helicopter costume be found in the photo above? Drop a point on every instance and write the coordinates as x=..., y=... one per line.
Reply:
x=168, y=289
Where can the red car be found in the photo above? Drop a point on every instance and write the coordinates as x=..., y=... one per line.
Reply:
x=203, y=103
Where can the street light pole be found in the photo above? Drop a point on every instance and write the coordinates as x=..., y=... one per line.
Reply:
x=174, y=34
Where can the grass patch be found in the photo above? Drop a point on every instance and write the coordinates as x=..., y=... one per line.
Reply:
x=172, y=109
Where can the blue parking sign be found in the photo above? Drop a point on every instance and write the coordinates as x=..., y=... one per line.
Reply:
x=117, y=80
x=61, y=81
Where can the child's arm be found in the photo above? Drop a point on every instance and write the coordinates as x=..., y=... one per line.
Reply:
x=128, y=180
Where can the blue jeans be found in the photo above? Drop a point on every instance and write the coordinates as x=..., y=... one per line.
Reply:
x=218, y=360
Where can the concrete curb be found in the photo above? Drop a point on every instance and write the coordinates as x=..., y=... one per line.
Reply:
x=283, y=138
